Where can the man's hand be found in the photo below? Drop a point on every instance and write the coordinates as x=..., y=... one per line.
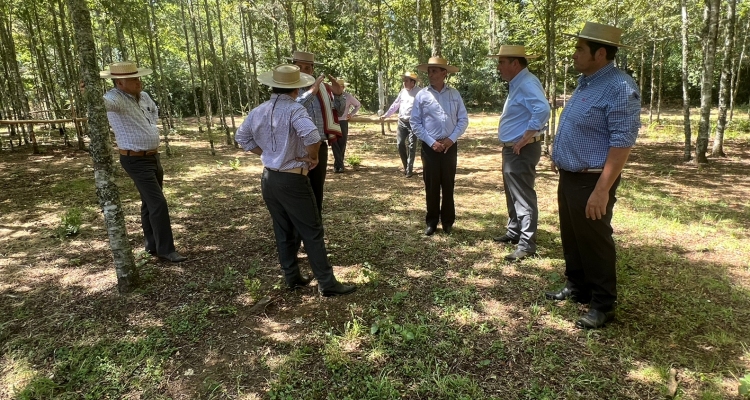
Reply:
x=596, y=207
x=311, y=162
x=335, y=87
x=519, y=145
x=350, y=116
x=447, y=143
x=554, y=168
x=438, y=146
x=316, y=85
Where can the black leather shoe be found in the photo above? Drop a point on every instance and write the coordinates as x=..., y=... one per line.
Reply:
x=595, y=319
x=428, y=231
x=566, y=293
x=505, y=239
x=448, y=229
x=338, y=170
x=174, y=257
x=338, y=290
x=298, y=282
x=149, y=251
x=409, y=174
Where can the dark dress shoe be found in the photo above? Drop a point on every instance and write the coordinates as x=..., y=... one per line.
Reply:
x=448, y=229
x=338, y=170
x=519, y=255
x=338, y=290
x=595, y=319
x=505, y=239
x=174, y=257
x=150, y=251
x=409, y=174
x=428, y=231
x=298, y=282
x=566, y=293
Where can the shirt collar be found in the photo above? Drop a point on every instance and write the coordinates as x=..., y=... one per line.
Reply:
x=583, y=79
x=445, y=87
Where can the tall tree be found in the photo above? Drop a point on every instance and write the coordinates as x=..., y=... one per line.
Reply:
x=101, y=150
x=710, y=33
x=436, y=12
x=724, y=83
x=687, y=154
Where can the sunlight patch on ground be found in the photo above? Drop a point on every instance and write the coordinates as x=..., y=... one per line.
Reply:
x=279, y=332
x=645, y=373
x=14, y=374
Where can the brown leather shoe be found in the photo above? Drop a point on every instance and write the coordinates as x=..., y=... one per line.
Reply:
x=595, y=319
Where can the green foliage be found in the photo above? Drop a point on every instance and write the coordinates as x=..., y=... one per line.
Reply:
x=235, y=164
x=354, y=160
x=70, y=223
x=744, y=388
x=189, y=321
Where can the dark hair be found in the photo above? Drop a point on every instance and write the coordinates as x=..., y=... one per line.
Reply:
x=282, y=90
x=595, y=46
x=521, y=60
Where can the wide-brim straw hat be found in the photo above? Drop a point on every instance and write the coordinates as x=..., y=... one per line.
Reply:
x=600, y=33
x=513, y=51
x=410, y=75
x=438, y=62
x=304, y=57
x=286, y=76
x=123, y=70
x=342, y=82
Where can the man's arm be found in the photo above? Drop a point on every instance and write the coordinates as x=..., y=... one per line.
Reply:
x=539, y=108
x=394, y=107
x=462, y=122
x=355, y=103
x=596, y=207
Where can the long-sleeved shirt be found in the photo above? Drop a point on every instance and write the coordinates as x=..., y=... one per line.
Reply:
x=134, y=122
x=351, y=106
x=526, y=108
x=438, y=115
x=282, y=129
x=403, y=103
x=603, y=112
x=313, y=107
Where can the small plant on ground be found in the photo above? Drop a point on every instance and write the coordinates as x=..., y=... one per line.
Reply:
x=235, y=164
x=70, y=223
x=354, y=161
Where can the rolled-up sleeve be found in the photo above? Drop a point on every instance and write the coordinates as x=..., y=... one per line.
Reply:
x=538, y=107
x=244, y=136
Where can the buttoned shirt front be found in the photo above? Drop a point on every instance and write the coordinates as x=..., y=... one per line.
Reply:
x=313, y=107
x=351, y=106
x=438, y=115
x=403, y=103
x=526, y=108
x=282, y=128
x=603, y=112
x=133, y=121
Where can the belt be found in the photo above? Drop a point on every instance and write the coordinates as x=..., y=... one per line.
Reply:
x=591, y=171
x=132, y=153
x=532, y=140
x=299, y=171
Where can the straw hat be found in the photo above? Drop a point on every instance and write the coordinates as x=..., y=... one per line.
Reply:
x=512, y=51
x=342, y=82
x=410, y=75
x=600, y=33
x=285, y=76
x=123, y=70
x=304, y=57
x=438, y=62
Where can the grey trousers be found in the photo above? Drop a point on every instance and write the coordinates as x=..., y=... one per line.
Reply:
x=519, y=173
x=294, y=211
x=406, y=141
x=339, y=147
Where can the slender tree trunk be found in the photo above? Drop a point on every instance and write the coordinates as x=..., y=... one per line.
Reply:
x=738, y=70
x=653, y=84
x=710, y=30
x=276, y=40
x=202, y=77
x=101, y=150
x=163, y=108
x=225, y=75
x=642, y=73
x=190, y=65
x=687, y=155
x=215, y=67
x=289, y=15
x=437, y=30
x=726, y=72
x=71, y=75
x=420, y=36
x=659, y=84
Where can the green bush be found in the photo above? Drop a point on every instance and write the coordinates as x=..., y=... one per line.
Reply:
x=70, y=223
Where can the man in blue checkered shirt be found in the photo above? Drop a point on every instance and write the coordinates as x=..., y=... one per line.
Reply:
x=597, y=130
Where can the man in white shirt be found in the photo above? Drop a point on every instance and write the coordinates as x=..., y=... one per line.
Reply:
x=405, y=137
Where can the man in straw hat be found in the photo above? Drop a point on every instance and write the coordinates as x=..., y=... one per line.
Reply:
x=525, y=114
x=405, y=137
x=324, y=103
x=439, y=118
x=281, y=132
x=338, y=147
x=597, y=129
x=133, y=117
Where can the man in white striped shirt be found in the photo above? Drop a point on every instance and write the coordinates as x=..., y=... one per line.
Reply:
x=282, y=133
x=133, y=116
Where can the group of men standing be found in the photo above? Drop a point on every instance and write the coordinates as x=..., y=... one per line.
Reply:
x=291, y=132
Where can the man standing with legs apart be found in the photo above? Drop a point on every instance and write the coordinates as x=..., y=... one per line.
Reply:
x=281, y=132
x=339, y=146
x=324, y=103
x=598, y=127
x=134, y=117
x=439, y=118
x=525, y=114
x=406, y=140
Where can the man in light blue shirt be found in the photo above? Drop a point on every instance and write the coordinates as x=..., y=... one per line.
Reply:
x=439, y=118
x=525, y=114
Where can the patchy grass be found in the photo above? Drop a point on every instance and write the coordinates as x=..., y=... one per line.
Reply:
x=441, y=317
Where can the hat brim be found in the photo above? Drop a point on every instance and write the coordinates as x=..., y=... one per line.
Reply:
x=305, y=80
x=450, y=68
x=526, y=56
x=597, y=40
x=292, y=60
x=414, y=78
x=140, y=72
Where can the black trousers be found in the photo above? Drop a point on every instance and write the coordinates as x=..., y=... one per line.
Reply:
x=588, y=247
x=148, y=176
x=406, y=141
x=290, y=200
x=439, y=171
x=318, y=176
x=339, y=146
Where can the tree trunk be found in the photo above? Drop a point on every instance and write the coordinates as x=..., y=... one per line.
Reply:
x=726, y=72
x=101, y=150
x=710, y=30
x=652, y=87
x=687, y=155
x=156, y=65
x=202, y=77
x=420, y=36
x=225, y=75
x=736, y=75
x=659, y=84
x=437, y=29
x=289, y=15
x=215, y=67
x=190, y=65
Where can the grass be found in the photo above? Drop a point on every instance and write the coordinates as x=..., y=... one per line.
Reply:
x=443, y=317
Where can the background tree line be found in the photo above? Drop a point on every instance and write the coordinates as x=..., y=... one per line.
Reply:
x=206, y=53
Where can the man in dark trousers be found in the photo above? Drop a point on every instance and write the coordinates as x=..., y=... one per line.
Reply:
x=597, y=130
x=133, y=117
x=281, y=132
